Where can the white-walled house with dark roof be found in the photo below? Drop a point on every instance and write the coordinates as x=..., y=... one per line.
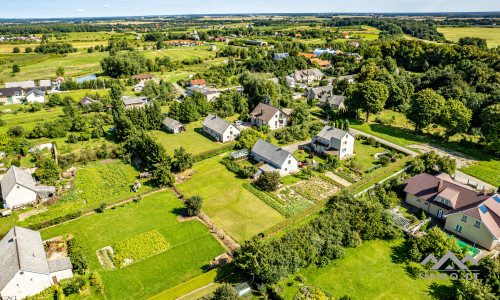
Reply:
x=274, y=158
x=24, y=268
x=333, y=141
x=265, y=114
x=220, y=129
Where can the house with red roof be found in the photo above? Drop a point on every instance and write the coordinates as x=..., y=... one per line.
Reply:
x=469, y=214
x=198, y=82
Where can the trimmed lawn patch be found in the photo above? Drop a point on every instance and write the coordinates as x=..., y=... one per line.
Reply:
x=192, y=245
x=230, y=206
x=366, y=272
x=140, y=247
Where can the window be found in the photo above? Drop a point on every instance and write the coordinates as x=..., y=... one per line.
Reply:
x=344, y=150
x=477, y=224
x=418, y=200
x=289, y=161
x=458, y=228
x=426, y=203
x=464, y=218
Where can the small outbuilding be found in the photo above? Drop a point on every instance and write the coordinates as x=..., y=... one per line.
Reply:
x=173, y=126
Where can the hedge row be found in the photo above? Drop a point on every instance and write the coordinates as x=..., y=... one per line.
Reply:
x=264, y=197
x=58, y=220
x=212, y=153
x=195, y=283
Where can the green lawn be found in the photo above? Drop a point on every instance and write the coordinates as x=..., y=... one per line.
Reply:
x=365, y=154
x=366, y=272
x=230, y=206
x=492, y=35
x=192, y=246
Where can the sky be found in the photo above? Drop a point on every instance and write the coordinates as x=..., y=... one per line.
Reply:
x=110, y=8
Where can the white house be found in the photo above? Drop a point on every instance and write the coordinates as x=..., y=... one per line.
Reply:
x=265, y=114
x=274, y=157
x=307, y=76
x=13, y=95
x=25, y=270
x=220, y=129
x=333, y=141
x=35, y=95
x=19, y=189
x=139, y=87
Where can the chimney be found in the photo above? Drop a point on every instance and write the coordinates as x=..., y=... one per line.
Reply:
x=263, y=111
x=440, y=185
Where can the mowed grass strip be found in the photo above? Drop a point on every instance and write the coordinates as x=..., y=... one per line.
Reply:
x=192, y=245
x=230, y=206
x=367, y=272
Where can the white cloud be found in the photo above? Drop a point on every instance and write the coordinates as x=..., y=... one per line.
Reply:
x=106, y=5
x=80, y=10
x=124, y=7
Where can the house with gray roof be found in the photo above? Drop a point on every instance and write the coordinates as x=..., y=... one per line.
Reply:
x=265, y=114
x=86, y=100
x=25, y=85
x=317, y=92
x=19, y=189
x=275, y=159
x=333, y=141
x=35, y=96
x=134, y=102
x=173, y=126
x=210, y=95
x=307, y=76
x=336, y=102
x=24, y=268
x=45, y=85
x=220, y=129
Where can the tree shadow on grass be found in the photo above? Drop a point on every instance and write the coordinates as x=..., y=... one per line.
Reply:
x=179, y=211
x=439, y=291
x=399, y=253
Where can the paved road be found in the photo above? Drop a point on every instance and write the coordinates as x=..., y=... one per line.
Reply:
x=180, y=89
x=382, y=141
x=294, y=147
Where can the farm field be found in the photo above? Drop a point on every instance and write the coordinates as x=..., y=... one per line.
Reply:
x=492, y=35
x=193, y=140
x=366, y=272
x=192, y=246
x=230, y=206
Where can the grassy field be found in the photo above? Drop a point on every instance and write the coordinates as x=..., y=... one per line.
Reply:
x=492, y=35
x=400, y=132
x=230, y=206
x=193, y=140
x=366, y=272
x=192, y=246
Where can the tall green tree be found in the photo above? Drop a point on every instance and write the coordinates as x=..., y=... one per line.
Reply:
x=490, y=126
x=455, y=117
x=425, y=108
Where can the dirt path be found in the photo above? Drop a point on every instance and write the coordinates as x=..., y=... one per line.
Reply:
x=340, y=180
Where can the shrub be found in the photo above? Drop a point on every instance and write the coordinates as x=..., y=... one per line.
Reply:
x=15, y=162
x=102, y=208
x=193, y=205
x=224, y=292
x=269, y=181
x=77, y=256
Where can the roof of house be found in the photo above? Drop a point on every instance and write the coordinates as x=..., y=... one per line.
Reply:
x=353, y=44
x=307, y=55
x=197, y=81
x=60, y=264
x=329, y=132
x=273, y=154
x=36, y=91
x=132, y=100
x=171, y=123
x=140, y=84
x=216, y=124
x=332, y=99
x=8, y=92
x=320, y=89
x=481, y=206
x=280, y=55
x=309, y=72
x=143, y=76
x=45, y=83
x=28, y=84
x=264, y=112
x=15, y=176
x=22, y=249
x=87, y=99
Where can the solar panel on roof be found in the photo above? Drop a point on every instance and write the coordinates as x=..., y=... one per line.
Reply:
x=483, y=209
x=497, y=198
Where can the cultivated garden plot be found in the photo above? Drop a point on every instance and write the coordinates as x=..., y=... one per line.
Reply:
x=132, y=250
